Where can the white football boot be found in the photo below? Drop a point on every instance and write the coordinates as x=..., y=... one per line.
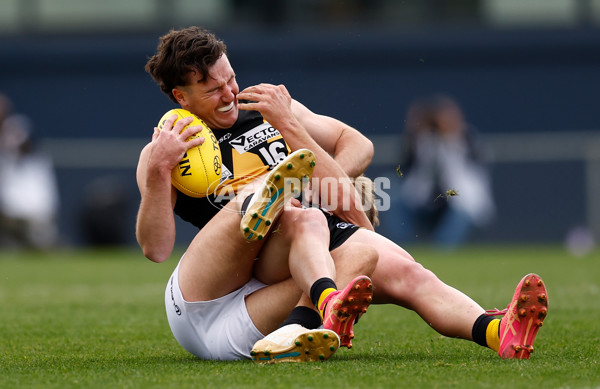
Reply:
x=294, y=343
x=285, y=181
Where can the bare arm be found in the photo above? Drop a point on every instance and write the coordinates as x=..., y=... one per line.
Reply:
x=155, y=225
x=275, y=104
x=349, y=148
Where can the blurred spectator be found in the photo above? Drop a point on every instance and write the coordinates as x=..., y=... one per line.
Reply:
x=444, y=184
x=105, y=213
x=28, y=189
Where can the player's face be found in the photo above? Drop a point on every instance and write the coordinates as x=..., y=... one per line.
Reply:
x=213, y=99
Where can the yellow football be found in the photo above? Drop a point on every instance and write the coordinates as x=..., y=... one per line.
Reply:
x=199, y=171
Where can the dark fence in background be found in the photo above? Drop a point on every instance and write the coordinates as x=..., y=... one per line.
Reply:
x=91, y=96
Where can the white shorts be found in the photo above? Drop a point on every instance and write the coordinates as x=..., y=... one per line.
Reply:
x=219, y=329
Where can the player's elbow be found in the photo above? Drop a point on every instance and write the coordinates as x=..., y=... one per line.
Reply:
x=154, y=254
x=369, y=152
x=364, y=154
x=156, y=243
x=153, y=249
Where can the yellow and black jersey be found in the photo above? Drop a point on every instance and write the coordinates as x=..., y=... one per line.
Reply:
x=250, y=148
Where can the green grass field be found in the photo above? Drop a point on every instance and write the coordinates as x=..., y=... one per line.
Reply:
x=96, y=319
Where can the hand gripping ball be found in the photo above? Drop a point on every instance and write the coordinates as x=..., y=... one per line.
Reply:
x=199, y=171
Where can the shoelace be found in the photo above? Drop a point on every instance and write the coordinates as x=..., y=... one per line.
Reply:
x=496, y=312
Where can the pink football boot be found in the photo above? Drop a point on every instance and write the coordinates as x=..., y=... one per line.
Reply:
x=522, y=318
x=342, y=308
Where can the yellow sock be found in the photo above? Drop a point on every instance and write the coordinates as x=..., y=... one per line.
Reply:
x=323, y=296
x=492, y=336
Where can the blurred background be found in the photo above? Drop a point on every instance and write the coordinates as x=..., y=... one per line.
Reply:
x=524, y=73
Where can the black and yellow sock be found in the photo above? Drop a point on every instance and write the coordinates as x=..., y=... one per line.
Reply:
x=486, y=332
x=320, y=290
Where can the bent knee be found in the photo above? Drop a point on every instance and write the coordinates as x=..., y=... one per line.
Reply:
x=307, y=221
x=413, y=279
x=416, y=273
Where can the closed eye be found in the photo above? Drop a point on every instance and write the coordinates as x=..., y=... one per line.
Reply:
x=216, y=88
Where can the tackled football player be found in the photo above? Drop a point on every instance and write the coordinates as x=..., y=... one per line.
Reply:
x=216, y=304
x=397, y=278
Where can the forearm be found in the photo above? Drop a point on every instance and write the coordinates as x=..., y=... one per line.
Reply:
x=155, y=233
x=343, y=197
x=301, y=128
x=354, y=153
x=155, y=226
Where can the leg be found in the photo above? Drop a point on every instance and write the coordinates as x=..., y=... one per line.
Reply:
x=268, y=307
x=400, y=280
x=295, y=341
x=352, y=259
x=209, y=270
x=298, y=247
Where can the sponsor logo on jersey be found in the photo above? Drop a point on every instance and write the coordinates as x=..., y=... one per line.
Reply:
x=226, y=174
x=254, y=137
x=224, y=137
x=344, y=225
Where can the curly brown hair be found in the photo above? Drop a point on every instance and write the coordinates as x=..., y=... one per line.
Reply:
x=180, y=52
